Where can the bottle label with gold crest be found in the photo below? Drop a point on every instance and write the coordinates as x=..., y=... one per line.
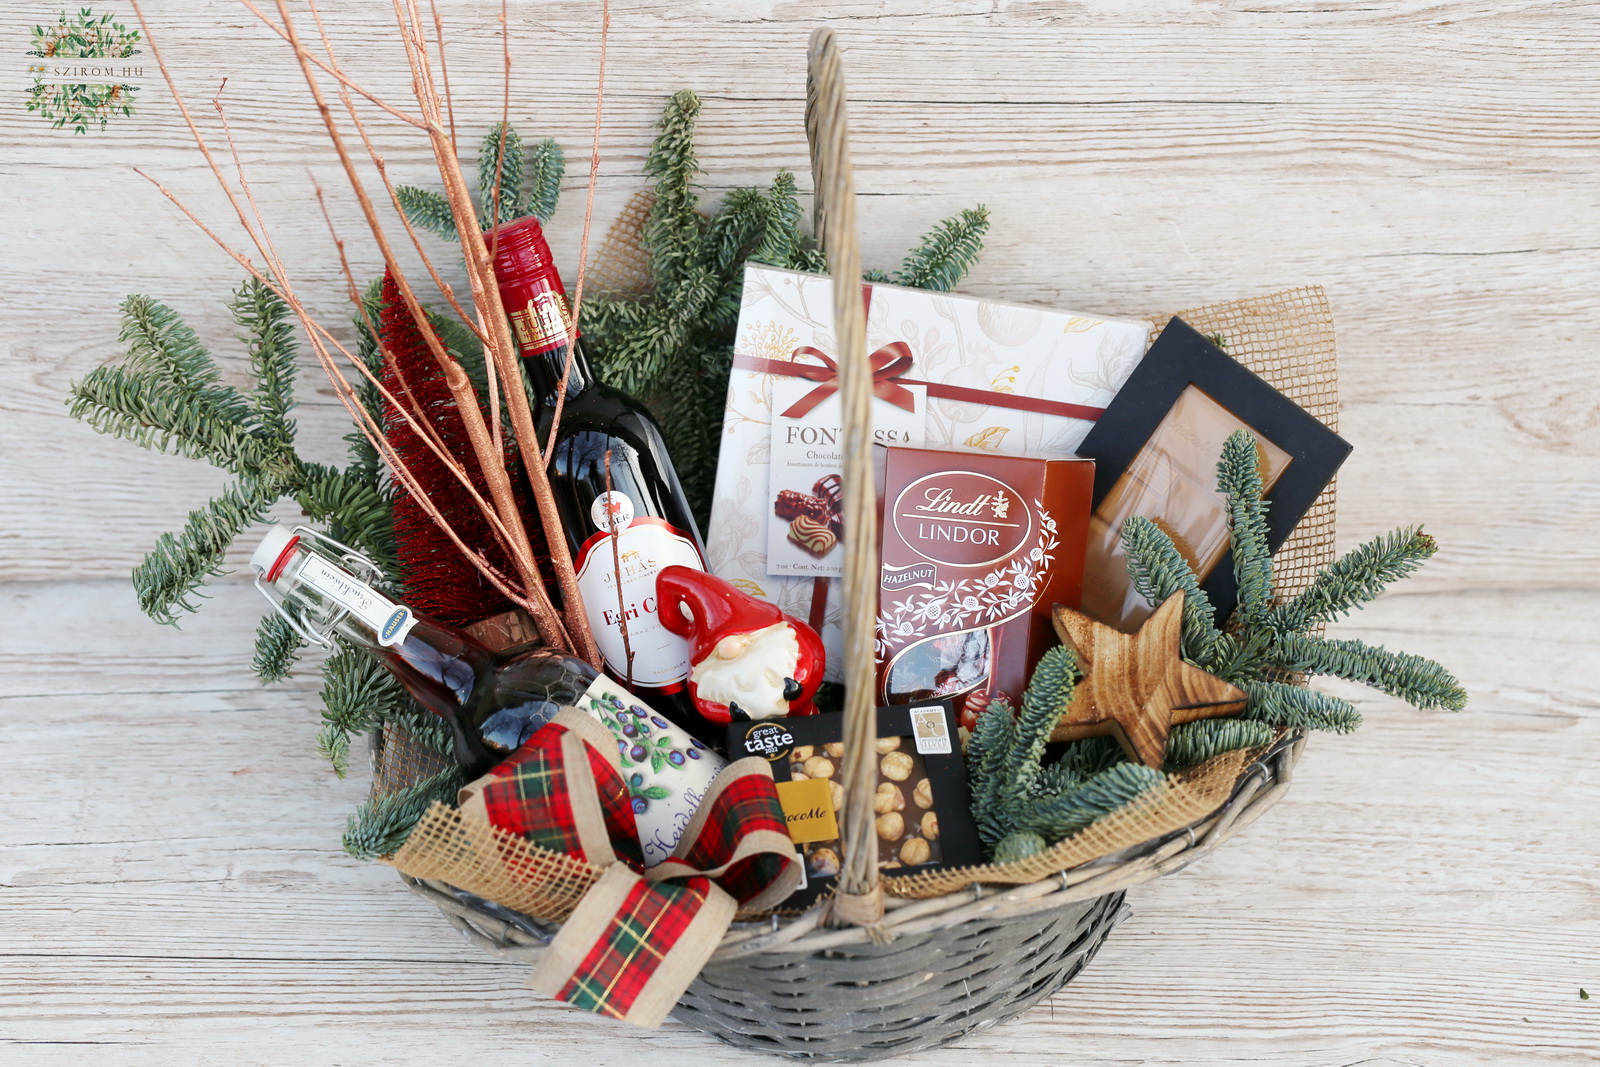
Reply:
x=543, y=322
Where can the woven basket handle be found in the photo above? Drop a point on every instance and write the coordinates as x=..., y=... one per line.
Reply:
x=859, y=899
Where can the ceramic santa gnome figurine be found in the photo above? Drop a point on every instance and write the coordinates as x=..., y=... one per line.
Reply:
x=748, y=659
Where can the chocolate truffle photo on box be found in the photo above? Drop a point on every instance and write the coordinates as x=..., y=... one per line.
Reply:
x=813, y=518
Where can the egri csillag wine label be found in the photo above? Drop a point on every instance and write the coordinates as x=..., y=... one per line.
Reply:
x=616, y=572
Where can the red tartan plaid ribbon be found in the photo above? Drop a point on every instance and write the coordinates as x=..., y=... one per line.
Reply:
x=638, y=937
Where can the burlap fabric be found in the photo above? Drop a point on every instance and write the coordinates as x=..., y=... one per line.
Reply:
x=1287, y=338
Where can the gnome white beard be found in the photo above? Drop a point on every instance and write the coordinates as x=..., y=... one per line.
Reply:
x=749, y=670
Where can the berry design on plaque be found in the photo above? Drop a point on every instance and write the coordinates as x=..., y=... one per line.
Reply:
x=667, y=771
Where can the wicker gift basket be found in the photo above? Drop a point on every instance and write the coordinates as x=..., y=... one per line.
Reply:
x=891, y=965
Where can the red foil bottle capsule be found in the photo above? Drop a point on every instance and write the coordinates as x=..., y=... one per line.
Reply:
x=644, y=506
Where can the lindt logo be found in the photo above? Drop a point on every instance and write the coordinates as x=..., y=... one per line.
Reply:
x=962, y=519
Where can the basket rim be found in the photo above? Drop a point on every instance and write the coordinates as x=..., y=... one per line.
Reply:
x=522, y=938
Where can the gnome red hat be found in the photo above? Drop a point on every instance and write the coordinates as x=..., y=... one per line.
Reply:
x=748, y=659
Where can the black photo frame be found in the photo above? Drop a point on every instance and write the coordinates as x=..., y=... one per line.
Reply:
x=778, y=739
x=1182, y=358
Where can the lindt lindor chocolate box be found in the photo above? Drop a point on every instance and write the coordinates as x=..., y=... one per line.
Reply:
x=976, y=549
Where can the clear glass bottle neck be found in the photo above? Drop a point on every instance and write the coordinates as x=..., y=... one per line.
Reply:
x=326, y=598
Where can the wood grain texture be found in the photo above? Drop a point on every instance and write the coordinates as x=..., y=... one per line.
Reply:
x=170, y=873
x=1136, y=687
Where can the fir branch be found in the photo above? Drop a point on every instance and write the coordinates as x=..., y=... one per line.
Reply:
x=1045, y=700
x=269, y=339
x=428, y=211
x=355, y=511
x=506, y=173
x=333, y=745
x=358, y=694
x=1298, y=708
x=277, y=647
x=987, y=750
x=543, y=189
x=1089, y=756
x=1059, y=817
x=1005, y=749
x=1415, y=679
x=423, y=727
x=672, y=232
x=1355, y=579
x=782, y=243
x=947, y=253
x=1239, y=656
x=1158, y=570
x=1016, y=847
x=381, y=825
x=156, y=415
x=176, y=568
x=1193, y=743
x=162, y=345
x=1239, y=479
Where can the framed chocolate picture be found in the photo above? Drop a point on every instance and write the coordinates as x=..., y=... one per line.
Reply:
x=1156, y=450
x=920, y=802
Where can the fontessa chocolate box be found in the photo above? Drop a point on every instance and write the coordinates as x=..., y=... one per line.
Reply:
x=976, y=548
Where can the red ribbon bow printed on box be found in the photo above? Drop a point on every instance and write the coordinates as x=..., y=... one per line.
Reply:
x=889, y=363
x=638, y=937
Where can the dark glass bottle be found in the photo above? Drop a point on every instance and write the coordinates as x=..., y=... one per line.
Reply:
x=492, y=701
x=644, y=504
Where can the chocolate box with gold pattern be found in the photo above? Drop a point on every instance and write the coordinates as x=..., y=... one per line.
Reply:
x=920, y=801
x=976, y=549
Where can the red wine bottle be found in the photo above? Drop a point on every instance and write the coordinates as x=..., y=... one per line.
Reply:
x=636, y=496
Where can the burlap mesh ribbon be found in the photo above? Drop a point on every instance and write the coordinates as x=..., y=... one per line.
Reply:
x=1287, y=338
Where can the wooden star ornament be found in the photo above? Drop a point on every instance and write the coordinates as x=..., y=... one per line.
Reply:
x=1136, y=687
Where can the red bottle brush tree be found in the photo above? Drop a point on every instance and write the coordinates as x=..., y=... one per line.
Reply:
x=439, y=580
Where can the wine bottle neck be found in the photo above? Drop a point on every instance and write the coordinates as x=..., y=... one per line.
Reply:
x=535, y=301
x=546, y=370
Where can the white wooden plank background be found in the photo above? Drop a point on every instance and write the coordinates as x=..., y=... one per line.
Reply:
x=172, y=884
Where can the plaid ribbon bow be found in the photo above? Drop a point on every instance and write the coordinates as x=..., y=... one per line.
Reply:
x=638, y=937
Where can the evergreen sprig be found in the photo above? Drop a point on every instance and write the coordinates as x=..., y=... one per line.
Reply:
x=168, y=395
x=1354, y=580
x=1020, y=805
x=529, y=185
x=1272, y=638
x=277, y=647
x=1192, y=743
x=381, y=825
x=947, y=253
